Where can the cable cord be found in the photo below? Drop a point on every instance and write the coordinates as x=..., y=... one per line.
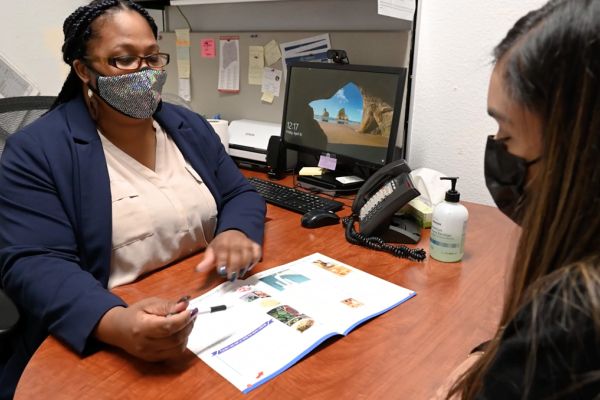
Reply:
x=187, y=21
x=375, y=243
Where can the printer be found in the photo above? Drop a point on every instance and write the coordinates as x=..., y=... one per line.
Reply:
x=248, y=142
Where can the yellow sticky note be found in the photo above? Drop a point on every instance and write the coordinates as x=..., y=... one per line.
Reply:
x=267, y=97
x=272, y=52
x=311, y=171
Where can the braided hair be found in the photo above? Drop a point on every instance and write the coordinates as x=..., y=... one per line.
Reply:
x=78, y=31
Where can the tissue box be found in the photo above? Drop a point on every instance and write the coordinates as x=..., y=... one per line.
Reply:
x=421, y=211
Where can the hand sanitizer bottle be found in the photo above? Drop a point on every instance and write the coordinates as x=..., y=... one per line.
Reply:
x=448, y=227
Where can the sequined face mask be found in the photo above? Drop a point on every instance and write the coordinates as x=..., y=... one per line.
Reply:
x=136, y=95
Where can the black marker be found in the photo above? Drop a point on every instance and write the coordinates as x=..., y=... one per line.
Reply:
x=213, y=309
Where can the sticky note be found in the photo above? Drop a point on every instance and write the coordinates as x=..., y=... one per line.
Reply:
x=207, y=48
x=267, y=97
x=326, y=161
x=311, y=171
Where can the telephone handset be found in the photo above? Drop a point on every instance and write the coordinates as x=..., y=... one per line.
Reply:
x=375, y=205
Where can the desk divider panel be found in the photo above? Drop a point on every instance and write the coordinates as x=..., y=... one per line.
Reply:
x=387, y=48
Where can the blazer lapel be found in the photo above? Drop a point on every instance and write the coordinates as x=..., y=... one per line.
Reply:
x=188, y=142
x=91, y=191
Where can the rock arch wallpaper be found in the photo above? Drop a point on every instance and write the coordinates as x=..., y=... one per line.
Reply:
x=345, y=112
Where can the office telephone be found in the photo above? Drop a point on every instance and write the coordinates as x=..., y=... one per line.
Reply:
x=375, y=206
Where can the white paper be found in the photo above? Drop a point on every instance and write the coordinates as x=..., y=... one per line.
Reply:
x=277, y=316
x=182, y=45
x=256, y=63
x=271, y=81
x=344, y=180
x=402, y=9
x=229, y=64
x=184, y=89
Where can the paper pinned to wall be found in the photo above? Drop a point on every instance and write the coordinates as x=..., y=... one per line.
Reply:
x=272, y=53
x=207, y=48
x=401, y=9
x=271, y=81
x=229, y=64
x=267, y=97
x=183, y=52
x=185, y=90
x=13, y=83
x=256, y=64
x=182, y=45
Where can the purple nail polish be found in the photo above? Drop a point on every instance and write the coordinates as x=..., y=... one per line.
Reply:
x=193, y=313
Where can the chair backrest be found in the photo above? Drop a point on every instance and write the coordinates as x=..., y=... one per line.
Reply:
x=16, y=112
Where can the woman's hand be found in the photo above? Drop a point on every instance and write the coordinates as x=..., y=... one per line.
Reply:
x=152, y=329
x=233, y=250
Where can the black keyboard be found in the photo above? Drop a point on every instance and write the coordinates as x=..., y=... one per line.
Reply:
x=292, y=199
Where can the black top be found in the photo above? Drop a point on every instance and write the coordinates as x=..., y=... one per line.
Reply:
x=567, y=365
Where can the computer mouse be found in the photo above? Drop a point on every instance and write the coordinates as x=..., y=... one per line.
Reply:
x=318, y=218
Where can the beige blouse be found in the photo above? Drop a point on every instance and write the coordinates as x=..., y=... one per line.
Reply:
x=158, y=216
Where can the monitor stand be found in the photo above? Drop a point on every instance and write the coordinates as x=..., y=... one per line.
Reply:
x=328, y=184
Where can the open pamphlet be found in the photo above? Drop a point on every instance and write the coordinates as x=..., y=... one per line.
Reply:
x=276, y=317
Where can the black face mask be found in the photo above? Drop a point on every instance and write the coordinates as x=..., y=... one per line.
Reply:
x=505, y=178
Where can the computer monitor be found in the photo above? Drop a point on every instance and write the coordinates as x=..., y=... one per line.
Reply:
x=350, y=112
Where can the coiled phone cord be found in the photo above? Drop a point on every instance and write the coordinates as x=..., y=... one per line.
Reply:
x=376, y=243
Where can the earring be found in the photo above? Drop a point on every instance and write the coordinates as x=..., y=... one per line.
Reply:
x=93, y=105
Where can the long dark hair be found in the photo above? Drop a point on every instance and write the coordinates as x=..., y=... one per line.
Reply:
x=78, y=31
x=551, y=65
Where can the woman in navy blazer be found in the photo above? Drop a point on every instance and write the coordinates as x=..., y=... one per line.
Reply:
x=55, y=205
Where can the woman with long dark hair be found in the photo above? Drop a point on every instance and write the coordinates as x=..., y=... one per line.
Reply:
x=109, y=185
x=543, y=170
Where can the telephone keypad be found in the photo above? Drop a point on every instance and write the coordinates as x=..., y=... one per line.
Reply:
x=376, y=202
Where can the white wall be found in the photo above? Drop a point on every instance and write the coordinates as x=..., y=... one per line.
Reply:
x=449, y=124
x=31, y=32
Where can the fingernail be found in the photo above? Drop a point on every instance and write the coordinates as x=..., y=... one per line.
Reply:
x=193, y=313
x=243, y=272
x=222, y=270
x=183, y=299
x=233, y=277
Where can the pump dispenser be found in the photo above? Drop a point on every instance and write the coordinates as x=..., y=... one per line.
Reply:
x=448, y=227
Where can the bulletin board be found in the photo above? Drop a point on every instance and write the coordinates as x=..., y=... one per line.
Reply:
x=385, y=48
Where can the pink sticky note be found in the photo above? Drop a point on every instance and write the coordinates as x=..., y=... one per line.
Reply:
x=207, y=48
x=325, y=161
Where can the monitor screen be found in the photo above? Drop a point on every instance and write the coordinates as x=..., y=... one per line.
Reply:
x=348, y=111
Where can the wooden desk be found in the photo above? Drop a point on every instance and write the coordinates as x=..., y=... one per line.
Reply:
x=406, y=353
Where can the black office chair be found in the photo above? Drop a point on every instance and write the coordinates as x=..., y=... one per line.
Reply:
x=15, y=113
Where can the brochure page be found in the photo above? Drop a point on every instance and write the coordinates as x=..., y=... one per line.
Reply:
x=274, y=318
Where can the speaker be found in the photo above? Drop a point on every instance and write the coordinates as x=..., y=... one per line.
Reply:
x=276, y=160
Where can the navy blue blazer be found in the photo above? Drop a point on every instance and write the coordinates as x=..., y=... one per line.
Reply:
x=55, y=221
